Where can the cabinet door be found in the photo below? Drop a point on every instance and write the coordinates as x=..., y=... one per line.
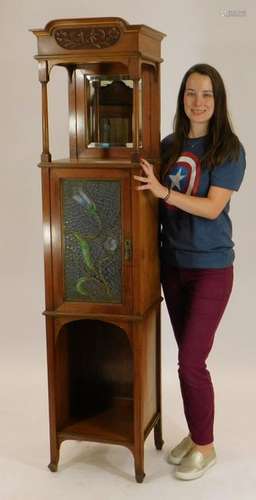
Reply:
x=91, y=240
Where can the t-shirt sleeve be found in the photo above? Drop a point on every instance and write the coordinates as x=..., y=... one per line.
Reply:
x=229, y=175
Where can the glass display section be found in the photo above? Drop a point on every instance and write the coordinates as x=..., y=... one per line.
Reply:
x=110, y=111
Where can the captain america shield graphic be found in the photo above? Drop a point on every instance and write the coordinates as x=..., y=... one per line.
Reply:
x=185, y=175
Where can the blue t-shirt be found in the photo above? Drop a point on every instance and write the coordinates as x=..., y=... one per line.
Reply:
x=188, y=240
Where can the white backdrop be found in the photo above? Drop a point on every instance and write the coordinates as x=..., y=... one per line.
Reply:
x=196, y=32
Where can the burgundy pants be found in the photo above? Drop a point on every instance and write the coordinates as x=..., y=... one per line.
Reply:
x=196, y=300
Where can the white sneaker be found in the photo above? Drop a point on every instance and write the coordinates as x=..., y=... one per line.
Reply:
x=180, y=451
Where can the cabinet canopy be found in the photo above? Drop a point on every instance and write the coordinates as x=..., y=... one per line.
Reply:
x=91, y=39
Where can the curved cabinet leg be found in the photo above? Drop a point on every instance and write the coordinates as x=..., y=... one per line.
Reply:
x=158, y=434
x=139, y=463
x=139, y=469
x=55, y=455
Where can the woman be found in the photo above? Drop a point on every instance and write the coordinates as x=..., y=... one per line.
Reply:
x=203, y=163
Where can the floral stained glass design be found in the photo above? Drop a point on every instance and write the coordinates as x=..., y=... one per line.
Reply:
x=92, y=240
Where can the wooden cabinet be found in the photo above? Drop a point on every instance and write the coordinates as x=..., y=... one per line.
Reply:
x=101, y=237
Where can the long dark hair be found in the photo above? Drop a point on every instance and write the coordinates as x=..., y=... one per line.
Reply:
x=222, y=143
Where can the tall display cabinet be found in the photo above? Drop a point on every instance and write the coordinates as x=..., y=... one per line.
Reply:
x=101, y=236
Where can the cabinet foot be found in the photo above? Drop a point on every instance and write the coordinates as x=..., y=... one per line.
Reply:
x=54, y=456
x=158, y=435
x=139, y=464
x=139, y=477
x=53, y=467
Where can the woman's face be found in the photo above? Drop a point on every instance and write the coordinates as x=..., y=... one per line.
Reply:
x=199, y=99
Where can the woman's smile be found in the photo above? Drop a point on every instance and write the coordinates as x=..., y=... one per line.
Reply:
x=198, y=112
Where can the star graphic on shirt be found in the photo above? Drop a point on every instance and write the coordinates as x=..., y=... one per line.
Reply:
x=176, y=179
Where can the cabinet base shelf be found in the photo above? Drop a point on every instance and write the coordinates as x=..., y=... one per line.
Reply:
x=111, y=425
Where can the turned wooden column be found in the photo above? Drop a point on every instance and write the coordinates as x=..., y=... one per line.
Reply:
x=44, y=78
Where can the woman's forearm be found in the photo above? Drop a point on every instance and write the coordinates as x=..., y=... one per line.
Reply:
x=195, y=205
x=209, y=207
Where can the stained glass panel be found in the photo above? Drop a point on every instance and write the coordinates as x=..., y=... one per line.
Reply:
x=92, y=240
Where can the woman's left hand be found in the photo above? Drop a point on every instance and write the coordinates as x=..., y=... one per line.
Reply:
x=150, y=181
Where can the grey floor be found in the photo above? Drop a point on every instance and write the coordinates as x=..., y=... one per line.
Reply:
x=96, y=471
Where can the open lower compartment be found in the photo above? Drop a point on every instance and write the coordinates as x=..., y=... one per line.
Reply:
x=94, y=382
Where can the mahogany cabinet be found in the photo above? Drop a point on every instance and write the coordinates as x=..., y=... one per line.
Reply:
x=102, y=286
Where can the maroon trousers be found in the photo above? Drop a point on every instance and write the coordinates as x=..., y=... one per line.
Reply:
x=196, y=300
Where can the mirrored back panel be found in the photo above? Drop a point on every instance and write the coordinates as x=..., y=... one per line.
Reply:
x=106, y=114
x=109, y=111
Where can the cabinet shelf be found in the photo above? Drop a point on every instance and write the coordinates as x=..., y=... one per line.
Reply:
x=111, y=425
x=87, y=162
